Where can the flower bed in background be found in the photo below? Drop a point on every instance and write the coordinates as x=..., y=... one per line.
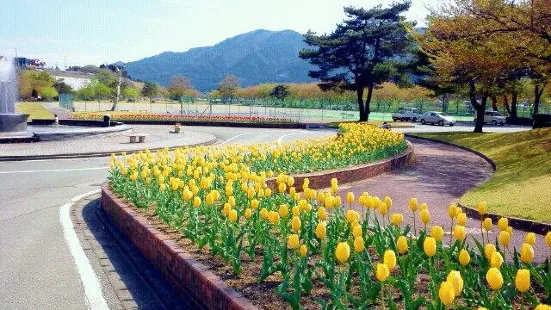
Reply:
x=308, y=248
x=130, y=117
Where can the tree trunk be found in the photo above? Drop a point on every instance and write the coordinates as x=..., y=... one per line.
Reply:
x=480, y=108
x=494, y=102
x=537, y=98
x=118, y=94
x=368, y=101
x=513, y=114
x=506, y=103
x=360, y=99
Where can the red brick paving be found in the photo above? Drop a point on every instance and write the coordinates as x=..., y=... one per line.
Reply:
x=438, y=175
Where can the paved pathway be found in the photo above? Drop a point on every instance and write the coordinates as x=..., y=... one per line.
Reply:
x=438, y=176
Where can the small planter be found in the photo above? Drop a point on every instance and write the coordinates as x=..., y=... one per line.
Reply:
x=177, y=128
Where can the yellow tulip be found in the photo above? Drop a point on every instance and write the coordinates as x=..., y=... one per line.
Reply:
x=504, y=238
x=296, y=211
x=402, y=244
x=413, y=204
x=454, y=277
x=321, y=230
x=509, y=230
x=494, y=278
x=264, y=213
x=283, y=210
x=464, y=257
x=526, y=253
x=357, y=231
x=352, y=216
x=388, y=201
x=481, y=308
x=322, y=215
x=248, y=213
x=389, y=259
x=462, y=219
x=446, y=293
x=487, y=224
x=542, y=307
x=295, y=224
x=303, y=251
x=328, y=203
x=273, y=217
x=530, y=238
x=334, y=188
x=425, y=216
x=489, y=250
x=497, y=260
x=459, y=232
x=233, y=215
x=255, y=204
x=429, y=246
x=282, y=187
x=396, y=219
x=383, y=208
x=452, y=211
x=482, y=208
x=548, y=239
x=349, y=198
x=382, y=272
x=503, y=223
x=293, y=241
x=359, y=244
x=437, y=232
x=196, y=201
x=342, y=252
x=522, y=280
x=423, y=206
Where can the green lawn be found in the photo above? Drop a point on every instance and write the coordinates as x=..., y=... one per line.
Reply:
x=521, y=186
x=35, y=109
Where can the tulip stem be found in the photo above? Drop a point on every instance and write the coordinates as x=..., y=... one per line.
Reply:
x=414, y=226
x=481, y=228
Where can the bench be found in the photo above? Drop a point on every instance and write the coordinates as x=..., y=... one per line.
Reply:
x=137, y=137
x=347, y=115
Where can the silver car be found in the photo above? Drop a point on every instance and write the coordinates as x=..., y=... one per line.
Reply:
x=437, y=118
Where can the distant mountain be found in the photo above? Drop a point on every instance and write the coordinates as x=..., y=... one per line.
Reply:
x=260, y=56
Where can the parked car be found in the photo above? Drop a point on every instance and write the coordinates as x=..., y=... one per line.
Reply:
x=437, y=118
x=493, y=117
x=406, y=114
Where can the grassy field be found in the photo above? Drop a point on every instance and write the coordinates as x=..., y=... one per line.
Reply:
x=35, y=109
x=521, y=186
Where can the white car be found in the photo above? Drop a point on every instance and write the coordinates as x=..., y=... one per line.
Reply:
x=406, y=114
x=493, y=117
x=437, y=118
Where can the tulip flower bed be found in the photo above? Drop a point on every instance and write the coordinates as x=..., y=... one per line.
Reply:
x=310, y=247
x=129, y=117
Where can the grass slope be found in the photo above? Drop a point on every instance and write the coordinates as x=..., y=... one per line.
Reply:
x=35, y=109
x=521, y=186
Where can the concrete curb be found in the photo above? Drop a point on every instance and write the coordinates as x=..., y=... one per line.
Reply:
x=517, y=223
x=99, y=154
x=188, y=276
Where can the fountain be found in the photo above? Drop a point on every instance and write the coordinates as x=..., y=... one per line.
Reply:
x=11, y=123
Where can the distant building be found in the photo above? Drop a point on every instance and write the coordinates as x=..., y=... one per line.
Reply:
x=31, y=64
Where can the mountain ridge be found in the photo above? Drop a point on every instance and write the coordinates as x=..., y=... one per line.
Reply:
x=259, y=56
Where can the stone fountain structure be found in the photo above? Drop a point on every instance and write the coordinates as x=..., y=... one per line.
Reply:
x=11, y=123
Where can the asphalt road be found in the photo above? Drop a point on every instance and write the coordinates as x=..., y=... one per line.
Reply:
x=37, y=270
x=36, y=267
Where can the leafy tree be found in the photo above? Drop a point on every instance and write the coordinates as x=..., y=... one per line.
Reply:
x=361, y=53
x=87, y=93
x=180, y=86
x=228, y=87
x=102, y=91
x=280, y=92
x=150, y=89
x=131, y=93
x=62, y=87
x=48, y=93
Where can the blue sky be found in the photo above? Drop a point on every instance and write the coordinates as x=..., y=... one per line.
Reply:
x=79, y=32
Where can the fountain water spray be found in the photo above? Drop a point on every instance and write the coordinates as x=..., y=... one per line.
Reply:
x=10, y=121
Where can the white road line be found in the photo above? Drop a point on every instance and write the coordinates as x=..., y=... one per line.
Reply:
x=233, y=138
x=54, y=170
x=280, y=139
x=92, y=286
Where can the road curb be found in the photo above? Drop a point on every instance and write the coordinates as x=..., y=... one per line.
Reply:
x=99, y=154
x=515, y=222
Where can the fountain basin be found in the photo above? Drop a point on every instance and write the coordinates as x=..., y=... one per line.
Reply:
x=12, y=123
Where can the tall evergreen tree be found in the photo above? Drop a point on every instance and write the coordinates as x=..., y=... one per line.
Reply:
x=362, y=52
